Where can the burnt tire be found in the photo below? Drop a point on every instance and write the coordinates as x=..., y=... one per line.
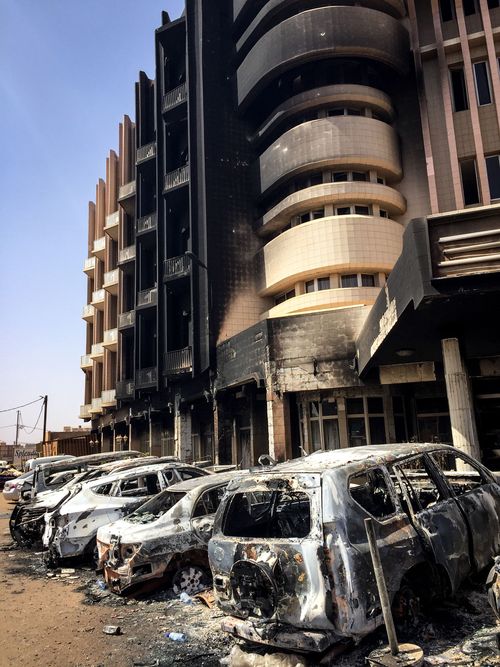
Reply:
x=190, y=579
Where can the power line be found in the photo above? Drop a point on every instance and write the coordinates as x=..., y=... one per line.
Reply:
x=23, y=406
x=24, y=427
x=38, y=428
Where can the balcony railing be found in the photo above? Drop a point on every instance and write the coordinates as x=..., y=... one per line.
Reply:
x=110, y=339
x=98, y=298
x=111, y=281
x=96, y=405
x=97, y=351
x=176, y=178
x=146, y=152
x=112, y=223
x=147, y=297
x=176, y=267
x=125, y=389
x=99, y=247
x=178, y=361
x=89, y=265
x=174, y=97
x=88, y=312
x=146, y=223
x=108, y=398
x=126, y=254
x=85, y=411
x=86, y=361
x=146, y=376
x=126, y=319
x=126, y=190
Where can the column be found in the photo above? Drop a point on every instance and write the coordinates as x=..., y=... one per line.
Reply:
x=182, y=434
x=278, y=426
x=463, y=422
x=342, y=420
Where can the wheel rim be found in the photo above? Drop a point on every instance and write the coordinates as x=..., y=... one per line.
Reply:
x=189, y=580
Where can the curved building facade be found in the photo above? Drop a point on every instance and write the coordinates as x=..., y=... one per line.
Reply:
x=314, y=80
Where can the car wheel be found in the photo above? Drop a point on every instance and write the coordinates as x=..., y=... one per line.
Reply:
x=190, y=579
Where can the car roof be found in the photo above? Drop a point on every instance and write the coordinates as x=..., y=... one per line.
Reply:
x=205, y=482
x=91, y=459
x=151, y=467
x=320, y=461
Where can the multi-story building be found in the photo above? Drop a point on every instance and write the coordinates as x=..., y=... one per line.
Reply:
x=280, y=153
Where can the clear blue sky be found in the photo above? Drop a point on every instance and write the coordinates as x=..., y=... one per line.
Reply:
x=67, y=73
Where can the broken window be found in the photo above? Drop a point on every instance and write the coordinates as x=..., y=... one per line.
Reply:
x=462, y=475
x=142, y=485
x=103, y=490
x=278, y=514
x=209, y=501
x=369, y=489
x=415, y=485
x=156, y=507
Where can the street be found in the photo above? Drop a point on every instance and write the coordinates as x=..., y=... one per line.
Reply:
x=57, y=619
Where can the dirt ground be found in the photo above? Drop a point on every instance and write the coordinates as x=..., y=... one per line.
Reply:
x=57, y=619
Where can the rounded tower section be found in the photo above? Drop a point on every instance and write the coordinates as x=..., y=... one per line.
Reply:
x=316, y=78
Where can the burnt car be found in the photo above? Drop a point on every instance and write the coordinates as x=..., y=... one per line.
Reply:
x=71, y=528
x=50, y=485
x=493, y=587
x=289, y=552
x=165, y=540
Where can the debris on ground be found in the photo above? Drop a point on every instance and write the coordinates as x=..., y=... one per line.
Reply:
x=239, y=658
x=112, y=630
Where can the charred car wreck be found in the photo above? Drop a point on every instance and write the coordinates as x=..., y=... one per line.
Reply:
x=165, y=540
x=71, y=528
x=289, y=553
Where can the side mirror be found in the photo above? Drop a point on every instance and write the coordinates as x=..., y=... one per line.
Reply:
x=26, y=490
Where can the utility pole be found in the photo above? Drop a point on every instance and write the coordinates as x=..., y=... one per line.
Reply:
x=17, y=428
x=45, y=401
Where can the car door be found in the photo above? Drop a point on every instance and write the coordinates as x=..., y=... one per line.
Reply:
x=435, y=516
x=478, y=496
x=204, y=510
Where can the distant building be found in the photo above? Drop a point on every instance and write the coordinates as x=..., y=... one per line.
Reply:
x=256, y=212
x=76, y=441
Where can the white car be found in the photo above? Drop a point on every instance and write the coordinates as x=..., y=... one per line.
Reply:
x=12, y=487
x=71, y=528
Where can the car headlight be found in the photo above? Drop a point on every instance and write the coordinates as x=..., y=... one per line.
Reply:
x=127, y=551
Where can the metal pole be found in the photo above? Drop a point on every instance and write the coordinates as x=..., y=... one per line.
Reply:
x=17, y=428
x=45, y=401
x=382, y=587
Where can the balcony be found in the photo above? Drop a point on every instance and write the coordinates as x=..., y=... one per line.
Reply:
x=96, y=406
x=88, y=312
x=146, y=224
x=89, y=266
x=126, y=197
x=148, y=297
x=173, y=98
x=85, y=411
x=176, y=179
x=126, y=254
x=112, y=224
x=98, y=298
x=178, y=361
x=176, y=267
x=146, y=377
x=97, y=352
x=111, y=281
x=126, y=320
x=146, y=152
x=110, y=340
x=86, y=362
x=125, y=389
x=99, y=247
x=108, y=398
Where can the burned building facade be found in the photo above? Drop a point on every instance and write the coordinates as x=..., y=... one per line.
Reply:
x=261, y=202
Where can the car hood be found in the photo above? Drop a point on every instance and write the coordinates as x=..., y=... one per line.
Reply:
x=133, y=533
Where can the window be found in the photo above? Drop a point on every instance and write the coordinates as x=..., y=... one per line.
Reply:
x=359, y=176
x=103, y=490
x=493, y=169
x=398, y=409
x=492, y=4
x=365, y=421
x=458, y=89
x=323, y=283
x=367, y=280
x=323, y=423
x=369, y=489
x=358, y=280
x=189, y=473
x=482, y=78
x=382, y=213
x=447, y=8
x=209, y=501
x=307, y=216
x=273, y=513
x=343, y=210
x=339, y=176
x=317, y=285
x=143, y=485
x=349, y=280
x=469, y=182
x=284, y=297
x=469, y=7
x=433, y=419
x=309, y=286
x=416, y=486
x=462, y=475
x=362, y=210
